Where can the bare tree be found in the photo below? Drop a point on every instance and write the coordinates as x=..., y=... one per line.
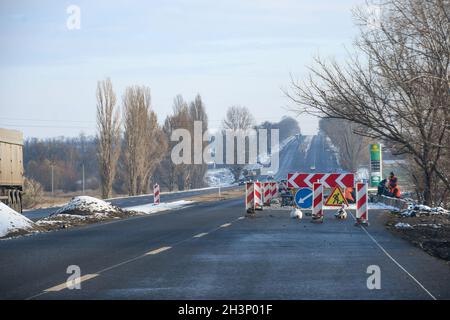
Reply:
x=237, y=119
x=108, y=135
x=175, y=174
x=155, y=148
x=352, y=148
x=136, y=110
x=197, y=112
x=400, y=93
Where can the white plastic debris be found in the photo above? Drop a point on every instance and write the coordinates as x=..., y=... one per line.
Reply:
x=296, y=213
x=341, y=213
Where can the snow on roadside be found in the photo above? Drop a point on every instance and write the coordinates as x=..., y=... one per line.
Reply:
x=164, y=206
x=85, y=205
x=12, y=221
x=216, y=177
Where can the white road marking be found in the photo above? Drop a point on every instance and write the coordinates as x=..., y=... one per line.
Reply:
x=153, y=252
x=200, y=235
x=156, y=251
x=396, y=262
x=63, y=286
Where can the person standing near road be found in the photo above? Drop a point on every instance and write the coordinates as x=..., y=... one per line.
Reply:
x=349, y=195
x=392, y=180
x=382, y=189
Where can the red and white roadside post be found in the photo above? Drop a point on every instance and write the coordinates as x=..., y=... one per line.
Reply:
x=249, y=197
x=156, y=194
x=317, y=211
x=267, y=193
x=274, y=187
x=259, y=190
x=253, y=196
x=362, y=209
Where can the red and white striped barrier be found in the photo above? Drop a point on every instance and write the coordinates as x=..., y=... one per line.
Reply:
x=156, y=194
x=317, y=212
x=328, y=180
x=249, y=196
x=258, y=195
x=253, y=196
x=274, y=186
x=362, y=208
x=267, y=192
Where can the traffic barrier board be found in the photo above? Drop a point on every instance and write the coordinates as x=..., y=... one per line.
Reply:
x=328, y=180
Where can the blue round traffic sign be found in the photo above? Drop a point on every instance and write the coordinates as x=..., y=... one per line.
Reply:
x=304, y=198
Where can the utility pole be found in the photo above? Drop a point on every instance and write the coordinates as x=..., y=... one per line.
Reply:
x=52, y=182
x=83, y=179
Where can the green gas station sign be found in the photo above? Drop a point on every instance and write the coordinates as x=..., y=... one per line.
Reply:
x=375, y=164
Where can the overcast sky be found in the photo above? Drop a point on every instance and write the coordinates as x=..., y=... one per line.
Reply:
x=233, y=52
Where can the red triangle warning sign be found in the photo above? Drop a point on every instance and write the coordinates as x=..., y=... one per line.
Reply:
x=336, y=198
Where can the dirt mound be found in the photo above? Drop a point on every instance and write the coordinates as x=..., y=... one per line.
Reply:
x=87, y=206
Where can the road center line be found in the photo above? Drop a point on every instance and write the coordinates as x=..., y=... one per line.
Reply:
x=225, y=225
x=200, y=235
x=63, y=286
x=396, y=262
x=156, y=251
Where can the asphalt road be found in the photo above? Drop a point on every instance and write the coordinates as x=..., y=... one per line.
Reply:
x=209, y=251
x=307, y=154
x=132, y=201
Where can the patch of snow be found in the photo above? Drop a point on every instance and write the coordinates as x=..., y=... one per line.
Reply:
x=85, y=205
x=402, y=225
x=432, y=225
x=216, y=177
x=164, y=206
x=11, y=221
